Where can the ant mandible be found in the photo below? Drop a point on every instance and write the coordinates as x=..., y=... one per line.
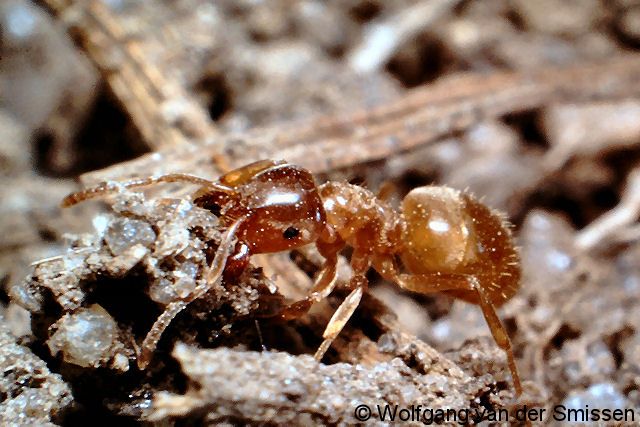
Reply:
x=446, y=240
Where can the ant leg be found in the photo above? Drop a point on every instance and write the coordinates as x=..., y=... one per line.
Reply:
x=499, y=335
x=324, y=284
x=421, y=283
x=340, y=319
x=427, y=283
x=111, y=187
x=359, y=283
x=424, y=283
x=212, y=276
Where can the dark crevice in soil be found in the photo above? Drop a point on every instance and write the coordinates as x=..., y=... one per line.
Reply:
x=564, y=334
x=216, y=94
x=365, y=11
x=421, y=60
x=613, y=26
x=527, y=124
x=515, y=19
x=106, y=138
x=126, y=301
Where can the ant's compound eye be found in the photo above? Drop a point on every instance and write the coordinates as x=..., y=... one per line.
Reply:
x=290, y=233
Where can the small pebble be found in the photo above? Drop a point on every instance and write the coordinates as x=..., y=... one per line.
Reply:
x=84, y=338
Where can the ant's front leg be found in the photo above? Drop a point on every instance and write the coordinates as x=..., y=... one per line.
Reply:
x=324, y=284
x=112, y=187
x=211, y=276
x=237, y=262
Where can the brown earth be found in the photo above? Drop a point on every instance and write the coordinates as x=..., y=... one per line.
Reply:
x=532, y=105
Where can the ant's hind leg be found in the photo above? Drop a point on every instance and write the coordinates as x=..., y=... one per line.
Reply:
x=421, y=283
x=112, y=187
x=434, y=282
x=500, y=336
x=359, y=284
x=212, y=276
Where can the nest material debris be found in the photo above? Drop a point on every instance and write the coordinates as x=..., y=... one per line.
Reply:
x=145, y=252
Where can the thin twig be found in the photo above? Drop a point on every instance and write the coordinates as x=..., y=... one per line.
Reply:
x=422, y=116
x=382, y=37
x=623, y=215
x=161, y=109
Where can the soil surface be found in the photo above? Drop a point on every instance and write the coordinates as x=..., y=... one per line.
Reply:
x=532, y=106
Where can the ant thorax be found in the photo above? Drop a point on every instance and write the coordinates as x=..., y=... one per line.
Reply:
x=360, y=218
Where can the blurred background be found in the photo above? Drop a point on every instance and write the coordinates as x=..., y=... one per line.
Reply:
x=83, y=85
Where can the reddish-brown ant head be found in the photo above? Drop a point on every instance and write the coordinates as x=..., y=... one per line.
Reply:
x=279, y=201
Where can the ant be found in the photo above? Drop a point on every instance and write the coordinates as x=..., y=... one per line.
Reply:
x=446, y=240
